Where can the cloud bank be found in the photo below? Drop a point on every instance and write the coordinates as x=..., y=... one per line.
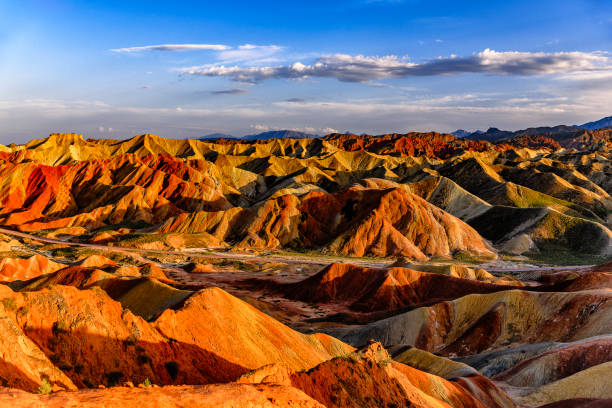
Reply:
x=251, y=53
x=173, y=47
x=359, y=68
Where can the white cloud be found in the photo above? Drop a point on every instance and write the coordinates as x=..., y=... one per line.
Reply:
x=586, y=76
x=52, y=108
x=173, y=47
x=556, y=102
x=365, y=107
x=59, y=109
x=252, y=53
x=361, y=68
x=260, y=128
x=305, y=129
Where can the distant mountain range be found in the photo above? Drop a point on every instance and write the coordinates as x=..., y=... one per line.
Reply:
x=273, y=134
x=598, y=124
x=491, y=135
x=216, y=136
x=464, y=133
x=494, y=134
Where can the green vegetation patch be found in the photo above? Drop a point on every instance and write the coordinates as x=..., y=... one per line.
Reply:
x=45, y=387
x=73, y=253
x=142, y=238
x=9, y=303
x=466, y=257
x=524, y=197
x=15, y=254
x=551, y=253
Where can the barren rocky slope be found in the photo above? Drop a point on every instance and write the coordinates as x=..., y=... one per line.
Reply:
x=63, y=336
x=340, y=194
x=414, y=270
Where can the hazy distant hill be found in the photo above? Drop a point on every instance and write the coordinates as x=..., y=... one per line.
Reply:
x=273, y=134
x=554, y=132
x=598, y=124
x=213, y=136
x=491, y=135
x=464, y=133
x=279, y=134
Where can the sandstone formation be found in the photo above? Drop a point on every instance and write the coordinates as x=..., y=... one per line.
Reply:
x=213, y=337
x=367, y=289
x=269, y=194
x=201, y=396
x=476, y=323
x=372, y=379
x=25, y=268
x=403, y=270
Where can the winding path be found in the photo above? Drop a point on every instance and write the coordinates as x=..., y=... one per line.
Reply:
x=295, y=259
x=497, y=266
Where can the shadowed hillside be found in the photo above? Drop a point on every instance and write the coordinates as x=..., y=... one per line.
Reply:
x=416, y=270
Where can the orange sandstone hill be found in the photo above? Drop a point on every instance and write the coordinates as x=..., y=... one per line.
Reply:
x=121, y=292
x=214, y=337
x=370, y=379
x=25, y=268
x=356, y=221
x=342, y=194
x=71, y=338
x=366, y=289
x=477, y=323
x=196, y=197
x=430, y=144
x=196, y=396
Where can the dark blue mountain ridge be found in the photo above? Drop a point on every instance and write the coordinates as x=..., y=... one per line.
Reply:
x=598, y=124
x=272, y=134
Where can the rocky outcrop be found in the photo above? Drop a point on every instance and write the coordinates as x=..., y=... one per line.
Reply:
x=268, y=194
x=12, y=269
x=559, y=363
x=371, y=379
x=477, y=323
x=243, y=337
x=201, y=396
x=369, y=289
x=213, y=337
x=356, y=221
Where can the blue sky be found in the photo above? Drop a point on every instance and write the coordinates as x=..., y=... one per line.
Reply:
x=117, y=69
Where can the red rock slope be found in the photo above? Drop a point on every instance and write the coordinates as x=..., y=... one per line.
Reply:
x=369, y=289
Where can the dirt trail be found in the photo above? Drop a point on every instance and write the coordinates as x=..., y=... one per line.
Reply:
x=498, y=266
x=208, y=253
